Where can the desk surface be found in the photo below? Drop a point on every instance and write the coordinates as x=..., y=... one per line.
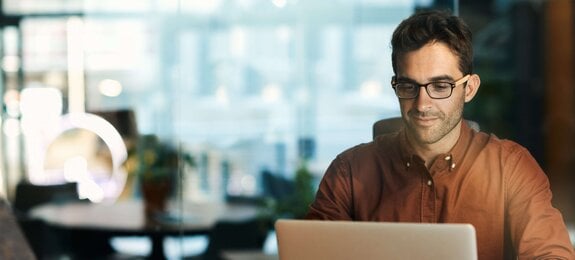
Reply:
x=128, y=216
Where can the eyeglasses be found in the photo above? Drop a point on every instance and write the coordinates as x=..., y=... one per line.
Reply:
x=435, y=90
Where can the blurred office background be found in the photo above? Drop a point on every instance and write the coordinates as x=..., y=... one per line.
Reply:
x=254, y=87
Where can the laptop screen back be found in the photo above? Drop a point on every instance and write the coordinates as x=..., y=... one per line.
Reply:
x=313, y=239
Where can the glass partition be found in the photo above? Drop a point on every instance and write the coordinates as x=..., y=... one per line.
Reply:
x=239, y=89
x=249, y=89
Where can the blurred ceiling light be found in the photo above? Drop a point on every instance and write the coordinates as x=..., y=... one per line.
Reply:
x=271, y=93
x=11, y=95
x=279, y=3
x=11, y=127
x=284, y=33
x=370, y=89
x=222, y=95
x=110, y=87
x=12, y=101
x=10, y=40
x=91, y=190
x=76, y=170
x=11, y=63
x=39, y=104
x=237, y=42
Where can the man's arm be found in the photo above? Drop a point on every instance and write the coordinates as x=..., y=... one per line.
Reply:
x=537, y=228
x=334, y=198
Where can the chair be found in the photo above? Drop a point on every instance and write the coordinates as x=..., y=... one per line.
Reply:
x=49, y=242
x=392, y=124
x=44, y=241
x=277, y=187
x=28, y=195
x=387, y=125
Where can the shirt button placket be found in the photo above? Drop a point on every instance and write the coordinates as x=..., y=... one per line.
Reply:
x=428, y=203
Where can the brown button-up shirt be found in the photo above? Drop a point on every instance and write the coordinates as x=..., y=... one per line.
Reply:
x=494, y=184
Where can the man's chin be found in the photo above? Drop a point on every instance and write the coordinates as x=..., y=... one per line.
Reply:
x=425, y=139
x=423, y=135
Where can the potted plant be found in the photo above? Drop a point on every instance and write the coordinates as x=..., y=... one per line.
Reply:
x=158, y=164
x=296, y=204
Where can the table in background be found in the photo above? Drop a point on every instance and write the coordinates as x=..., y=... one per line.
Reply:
x=127, y=218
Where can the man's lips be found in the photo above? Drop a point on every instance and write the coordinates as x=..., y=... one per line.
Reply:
x=424, y=121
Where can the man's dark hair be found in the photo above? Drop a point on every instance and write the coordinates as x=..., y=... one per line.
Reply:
x=433, y=26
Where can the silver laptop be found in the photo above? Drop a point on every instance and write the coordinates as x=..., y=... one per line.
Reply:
x=338, y=240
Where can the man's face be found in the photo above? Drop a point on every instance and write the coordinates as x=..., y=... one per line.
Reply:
x=431, y=120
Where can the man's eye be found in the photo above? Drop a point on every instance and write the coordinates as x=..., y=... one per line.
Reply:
x=405, y=86
x=441, y=86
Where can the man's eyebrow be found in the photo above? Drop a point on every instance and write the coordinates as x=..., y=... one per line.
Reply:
x=441, y=78
x=433, y=79
x=404, y=79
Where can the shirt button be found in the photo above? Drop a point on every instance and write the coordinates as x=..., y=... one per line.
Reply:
x=429, y=183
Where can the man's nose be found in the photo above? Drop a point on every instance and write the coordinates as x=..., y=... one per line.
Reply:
x=423, y=100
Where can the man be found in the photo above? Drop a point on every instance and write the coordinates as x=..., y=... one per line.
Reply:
x=437, y=169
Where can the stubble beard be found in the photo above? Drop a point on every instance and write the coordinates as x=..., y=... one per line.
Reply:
x=435, y=133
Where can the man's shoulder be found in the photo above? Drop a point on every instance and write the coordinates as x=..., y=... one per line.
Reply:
x=359, y=149
x=502, y=145
x=384, y=141
x=381, y=145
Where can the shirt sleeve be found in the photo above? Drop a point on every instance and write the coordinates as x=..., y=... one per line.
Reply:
x=334, y=198
x=537, y=228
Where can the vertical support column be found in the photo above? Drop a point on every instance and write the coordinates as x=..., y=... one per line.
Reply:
x=12, y=77
x=76, y=81
x=560, y=103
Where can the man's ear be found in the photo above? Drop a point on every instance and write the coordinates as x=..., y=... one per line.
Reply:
x=471, y=87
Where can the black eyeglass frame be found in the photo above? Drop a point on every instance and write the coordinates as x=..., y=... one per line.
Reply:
x=458, y=82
